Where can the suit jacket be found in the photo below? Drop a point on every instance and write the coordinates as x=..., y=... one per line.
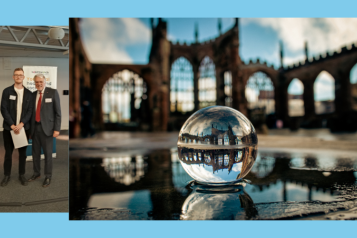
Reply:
x=9, y=108
x=50, y=112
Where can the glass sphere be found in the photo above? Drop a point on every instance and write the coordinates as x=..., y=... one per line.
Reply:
x=217, y=146
x=219, y=205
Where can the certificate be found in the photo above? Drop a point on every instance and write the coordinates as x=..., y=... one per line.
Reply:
x=20, y=140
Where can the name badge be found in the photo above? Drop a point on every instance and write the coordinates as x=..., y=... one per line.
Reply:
x=12, y=97
x=48, y=99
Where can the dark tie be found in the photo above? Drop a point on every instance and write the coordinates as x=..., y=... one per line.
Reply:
x=38, y=110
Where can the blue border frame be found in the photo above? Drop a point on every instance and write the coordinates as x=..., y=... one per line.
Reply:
x=40, y=12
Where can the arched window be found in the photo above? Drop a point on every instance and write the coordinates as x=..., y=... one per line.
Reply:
x=207, y=158
x=220, y=139
x=226, y=160
x=238, y=156
x=226, y=139
x=228, y=88
x=190, y=156
x=324, y=93
x=259, y=92
x=295, y=97
x=207, y=140
x=353, y=75
x=220, y=160
x=181, y=89
x=237, y=141
x=121, y=95
x=207, y=83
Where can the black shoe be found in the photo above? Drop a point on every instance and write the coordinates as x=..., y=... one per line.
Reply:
x=5, y=181
x=34, y=177
x=46, y=183
x=23, y=180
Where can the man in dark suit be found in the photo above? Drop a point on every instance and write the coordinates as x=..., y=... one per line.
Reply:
x=45, y=124
x=16, y=109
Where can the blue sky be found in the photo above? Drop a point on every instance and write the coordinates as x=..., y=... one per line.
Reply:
x=128, y=40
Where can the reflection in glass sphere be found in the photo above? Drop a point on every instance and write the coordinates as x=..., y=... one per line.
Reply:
x=205, y=205
x=217, y=145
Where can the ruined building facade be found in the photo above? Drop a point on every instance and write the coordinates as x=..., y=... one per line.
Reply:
x=155, y=113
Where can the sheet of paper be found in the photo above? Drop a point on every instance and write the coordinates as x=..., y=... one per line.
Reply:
x=20, y=140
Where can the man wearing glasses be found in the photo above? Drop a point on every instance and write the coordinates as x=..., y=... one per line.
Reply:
x=45, y=124
x=16, y=109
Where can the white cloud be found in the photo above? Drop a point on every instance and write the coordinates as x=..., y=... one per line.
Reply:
x=290, y=60
x=105, y=39
x=321, y=33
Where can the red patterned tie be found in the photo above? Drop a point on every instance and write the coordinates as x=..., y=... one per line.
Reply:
x=38, y=118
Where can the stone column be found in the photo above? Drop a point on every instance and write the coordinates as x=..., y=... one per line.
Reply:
x=308, y=97
x=343, y=98
x=196, y=76
x=220, y=97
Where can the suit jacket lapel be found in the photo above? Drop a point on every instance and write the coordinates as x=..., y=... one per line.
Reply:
x=43, y=98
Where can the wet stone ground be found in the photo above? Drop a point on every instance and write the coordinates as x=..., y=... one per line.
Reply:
x=284, y=184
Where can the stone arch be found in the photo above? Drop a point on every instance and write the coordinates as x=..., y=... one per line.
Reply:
x=102, y=72
x=123, y=94
x=175, y=57
x=324, y=93
x=181, y=86
x=203, y=54
x=295, y=98
x=264, y=69
x=260, y=91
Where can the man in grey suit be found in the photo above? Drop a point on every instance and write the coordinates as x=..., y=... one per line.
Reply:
x=45, y=124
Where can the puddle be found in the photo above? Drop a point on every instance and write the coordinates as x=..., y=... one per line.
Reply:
x=154, y=186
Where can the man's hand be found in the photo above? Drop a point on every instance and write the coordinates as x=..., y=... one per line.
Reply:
x=55, y=133
x=13, y=127
x=19, y=126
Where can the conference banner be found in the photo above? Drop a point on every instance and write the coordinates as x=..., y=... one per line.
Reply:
x=50, y=73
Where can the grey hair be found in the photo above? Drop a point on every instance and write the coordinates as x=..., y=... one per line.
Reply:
x=40, y=76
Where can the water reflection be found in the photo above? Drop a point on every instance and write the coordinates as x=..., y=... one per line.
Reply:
x=204, y=205
x=126, y=170
x=155, y=186
x=217, y=166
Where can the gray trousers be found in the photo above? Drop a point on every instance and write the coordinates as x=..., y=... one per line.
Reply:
x=46, y=142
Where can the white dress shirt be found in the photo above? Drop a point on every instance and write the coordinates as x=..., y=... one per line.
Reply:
x=20, y=97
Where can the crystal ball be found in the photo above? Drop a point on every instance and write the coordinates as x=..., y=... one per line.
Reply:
x=207, y=205
x=217, y=146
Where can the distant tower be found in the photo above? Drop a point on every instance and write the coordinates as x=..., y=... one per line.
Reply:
x=306, y=52
x=281, y=54
x=196, y=32
x=152, y=23
x=220, y=26
x=236, y=22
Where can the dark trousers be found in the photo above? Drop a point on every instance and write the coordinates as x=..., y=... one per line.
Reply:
x=9, y=148
x=40, y=139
